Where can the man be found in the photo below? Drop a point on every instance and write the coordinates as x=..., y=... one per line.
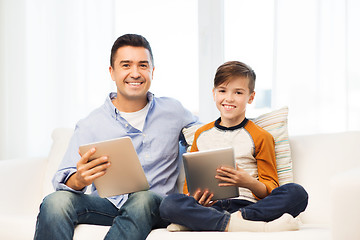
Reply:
x=153, y=124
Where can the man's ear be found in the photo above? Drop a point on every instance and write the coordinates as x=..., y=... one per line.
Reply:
x=152, y=74
x=251, y=98
x=111, y=72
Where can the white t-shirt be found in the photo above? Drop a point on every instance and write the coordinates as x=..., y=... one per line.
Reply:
x=136, y=119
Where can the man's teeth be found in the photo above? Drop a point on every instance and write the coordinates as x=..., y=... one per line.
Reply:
x=135, y=83
x=228, y=107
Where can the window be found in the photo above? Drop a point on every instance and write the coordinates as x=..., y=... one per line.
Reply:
x=171, y=28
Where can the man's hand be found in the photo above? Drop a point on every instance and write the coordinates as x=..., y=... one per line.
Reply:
x=88, y=171
x=204, y=198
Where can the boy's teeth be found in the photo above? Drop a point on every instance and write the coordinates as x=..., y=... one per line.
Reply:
x=228, y=107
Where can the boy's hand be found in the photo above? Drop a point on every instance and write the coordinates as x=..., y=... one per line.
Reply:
x=204, y=198
x=240, y=178
x=234, y=177
x=88, y=171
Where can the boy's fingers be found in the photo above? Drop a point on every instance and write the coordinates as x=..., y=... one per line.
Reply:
x=197, y=195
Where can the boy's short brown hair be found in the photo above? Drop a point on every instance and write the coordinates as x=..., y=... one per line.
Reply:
x=232, y=69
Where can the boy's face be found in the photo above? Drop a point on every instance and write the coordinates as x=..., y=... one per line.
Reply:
x=231, y=99
x=132, y=72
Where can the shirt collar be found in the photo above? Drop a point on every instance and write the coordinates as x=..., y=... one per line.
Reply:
x=112, y=109
x=241, y=125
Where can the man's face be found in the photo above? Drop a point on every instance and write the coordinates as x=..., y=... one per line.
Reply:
x=132, y=72
x=231, y=99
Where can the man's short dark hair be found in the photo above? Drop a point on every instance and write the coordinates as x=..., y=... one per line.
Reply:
x=133, y=40
x=232, y=69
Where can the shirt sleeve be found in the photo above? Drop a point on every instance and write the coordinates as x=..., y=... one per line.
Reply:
x=194, y=148
x=266, y=161
x=68, y=164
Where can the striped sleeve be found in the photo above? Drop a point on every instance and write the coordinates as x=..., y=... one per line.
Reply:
x=265, y=156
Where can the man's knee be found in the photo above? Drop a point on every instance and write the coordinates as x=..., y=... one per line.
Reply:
x=146, y=198
x=57, y=204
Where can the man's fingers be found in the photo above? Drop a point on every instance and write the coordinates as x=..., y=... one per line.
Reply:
x=97, y=162
x=85, y=158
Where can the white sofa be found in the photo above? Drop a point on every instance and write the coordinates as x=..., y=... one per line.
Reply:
x=327, y=165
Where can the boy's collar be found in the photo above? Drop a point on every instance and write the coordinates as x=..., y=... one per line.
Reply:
x=241, y=125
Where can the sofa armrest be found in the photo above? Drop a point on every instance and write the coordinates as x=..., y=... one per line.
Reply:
x=21, y=184
x=345, y=191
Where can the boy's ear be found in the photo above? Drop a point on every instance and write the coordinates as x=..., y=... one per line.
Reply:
x=251, y=98
x=213, y=90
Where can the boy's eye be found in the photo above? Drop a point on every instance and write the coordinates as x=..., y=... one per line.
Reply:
x=221, y=91
x=239, y=93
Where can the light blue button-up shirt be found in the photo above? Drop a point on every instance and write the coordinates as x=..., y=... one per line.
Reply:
x=157, y=145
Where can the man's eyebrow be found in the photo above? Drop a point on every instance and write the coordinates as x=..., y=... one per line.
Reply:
x=125, y=61
x=129, y=61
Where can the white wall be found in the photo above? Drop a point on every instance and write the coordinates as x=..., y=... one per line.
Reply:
x=54, y=57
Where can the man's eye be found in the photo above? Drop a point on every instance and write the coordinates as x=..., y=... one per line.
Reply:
x=143, y=66
x=125, y=65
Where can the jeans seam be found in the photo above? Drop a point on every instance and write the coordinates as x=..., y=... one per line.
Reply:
x=225, y=222
x=96, y=212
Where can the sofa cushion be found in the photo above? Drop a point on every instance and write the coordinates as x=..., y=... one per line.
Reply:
x=276, y=124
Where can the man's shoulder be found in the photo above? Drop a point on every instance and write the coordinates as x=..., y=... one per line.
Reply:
x=96, y=115
x=167, y=100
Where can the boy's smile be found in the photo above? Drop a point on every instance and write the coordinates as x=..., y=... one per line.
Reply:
x=231, y=99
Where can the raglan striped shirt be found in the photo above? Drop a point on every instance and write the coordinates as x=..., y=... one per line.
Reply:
x=254, y=150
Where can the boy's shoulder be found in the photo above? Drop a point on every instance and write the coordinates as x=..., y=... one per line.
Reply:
x=205, y=127
x=257, y=131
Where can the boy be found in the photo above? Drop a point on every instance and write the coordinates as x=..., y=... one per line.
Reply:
x=262, y=204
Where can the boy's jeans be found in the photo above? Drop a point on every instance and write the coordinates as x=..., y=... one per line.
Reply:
x=181, y=209
x=61, y=211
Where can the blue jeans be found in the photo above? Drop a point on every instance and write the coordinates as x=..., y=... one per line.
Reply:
x=61, y=211
x=181, y=209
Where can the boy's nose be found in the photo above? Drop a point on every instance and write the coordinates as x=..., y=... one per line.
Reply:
x=229, y=97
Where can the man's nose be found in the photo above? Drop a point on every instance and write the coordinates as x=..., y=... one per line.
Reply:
x=135, y=72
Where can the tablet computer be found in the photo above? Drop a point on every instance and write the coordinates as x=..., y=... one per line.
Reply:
x=125, y=174
x=200, y=170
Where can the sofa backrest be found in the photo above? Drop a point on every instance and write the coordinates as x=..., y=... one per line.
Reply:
x=316, y=160
x=61, y=138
